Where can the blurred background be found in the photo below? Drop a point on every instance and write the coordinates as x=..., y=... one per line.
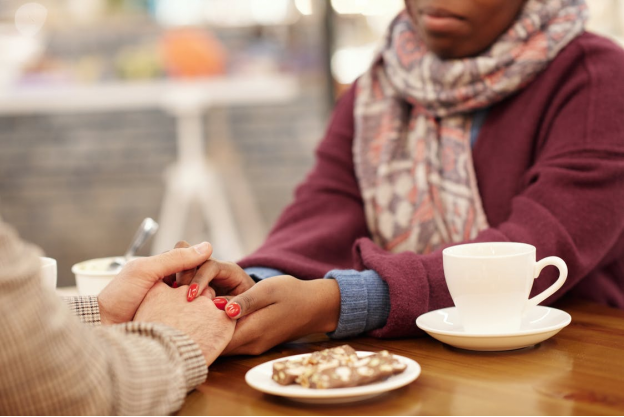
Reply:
x=202, y=114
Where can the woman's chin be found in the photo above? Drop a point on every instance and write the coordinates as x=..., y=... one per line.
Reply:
x=448, y=48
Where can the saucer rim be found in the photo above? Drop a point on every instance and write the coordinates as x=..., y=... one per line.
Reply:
x=566, y=320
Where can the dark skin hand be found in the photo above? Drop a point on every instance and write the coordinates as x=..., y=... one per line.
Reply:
x=462, y=28
x=281, y=309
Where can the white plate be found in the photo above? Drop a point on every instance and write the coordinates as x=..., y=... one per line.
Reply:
x=539, y=324
x=259, y=378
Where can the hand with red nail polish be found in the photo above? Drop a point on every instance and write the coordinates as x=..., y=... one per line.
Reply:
x=280, y=309
x=120, y=299
x=214, y=278
x=219, y=278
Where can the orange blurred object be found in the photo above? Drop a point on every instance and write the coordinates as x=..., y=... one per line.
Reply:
x=192, y=53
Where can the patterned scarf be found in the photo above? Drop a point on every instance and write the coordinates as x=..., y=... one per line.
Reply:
x=413, y=114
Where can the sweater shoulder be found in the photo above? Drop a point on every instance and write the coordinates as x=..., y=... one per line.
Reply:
x=592, y=54
x=588, y=68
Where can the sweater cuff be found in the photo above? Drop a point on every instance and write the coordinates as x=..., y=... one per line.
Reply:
x=180, y=345
x=258, y=273
x=86, y=308
x=364, y=302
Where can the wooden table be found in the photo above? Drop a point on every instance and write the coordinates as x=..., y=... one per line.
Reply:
x=579, y=371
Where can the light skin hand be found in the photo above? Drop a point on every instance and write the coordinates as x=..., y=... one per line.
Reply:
x=281, y=309
x=120, y=300
x=201, y=320
x=215, y=278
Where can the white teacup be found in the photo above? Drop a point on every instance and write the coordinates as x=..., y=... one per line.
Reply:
x=48, y=272
x=490, y=283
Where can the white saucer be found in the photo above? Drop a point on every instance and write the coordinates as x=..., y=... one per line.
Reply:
x=539, y=324
x=259, y=378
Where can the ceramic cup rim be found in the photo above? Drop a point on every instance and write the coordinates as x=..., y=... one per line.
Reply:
x=455, y=251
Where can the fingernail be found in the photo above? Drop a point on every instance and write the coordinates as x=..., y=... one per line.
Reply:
x=192, y=292
x=232, y=310
x=202, y=248
x=220, y=303
x=175, y=284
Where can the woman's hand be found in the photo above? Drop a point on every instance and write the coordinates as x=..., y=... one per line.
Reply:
x=208, y=326
x=120, y=300
x=280, y=309
x=214, y=278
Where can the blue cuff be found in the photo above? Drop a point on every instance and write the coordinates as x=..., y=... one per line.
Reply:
x=258, y=273
x=364, y=302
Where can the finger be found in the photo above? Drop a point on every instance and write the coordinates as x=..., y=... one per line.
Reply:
x=184, y=277
x=171, y=262
x=261, y=295
x=221, y=301
x=228, y=274
x=209, y=293
x=201, y=279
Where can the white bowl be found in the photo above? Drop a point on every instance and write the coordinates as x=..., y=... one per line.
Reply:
x=93, y=275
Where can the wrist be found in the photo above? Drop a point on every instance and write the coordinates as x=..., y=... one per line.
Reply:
x=103, y=313
x=327, y=304
x=106, y=317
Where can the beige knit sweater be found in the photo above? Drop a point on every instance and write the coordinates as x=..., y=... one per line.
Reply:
x=51, y=363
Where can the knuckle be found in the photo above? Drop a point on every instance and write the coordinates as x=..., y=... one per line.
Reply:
x=135, y=265
x=175, y=257
x=230, y=264
x=267, y=287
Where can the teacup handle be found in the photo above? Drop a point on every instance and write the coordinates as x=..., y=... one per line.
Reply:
x=563, y=274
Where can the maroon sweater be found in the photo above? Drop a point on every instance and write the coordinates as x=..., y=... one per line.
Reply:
x=550, y=168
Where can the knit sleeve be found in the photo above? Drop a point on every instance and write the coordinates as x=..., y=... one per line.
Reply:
x=53, y=364
x=364, y=302
x=258, y=273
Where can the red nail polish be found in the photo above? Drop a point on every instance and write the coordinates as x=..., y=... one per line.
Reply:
x=175, y=284
x=232, y=310
x=220, y=303
x=192, y=292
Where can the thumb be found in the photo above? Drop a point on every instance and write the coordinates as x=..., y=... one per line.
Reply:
x=175, y=260
x=255, y=298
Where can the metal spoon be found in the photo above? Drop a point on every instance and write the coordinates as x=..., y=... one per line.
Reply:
x=146, y=230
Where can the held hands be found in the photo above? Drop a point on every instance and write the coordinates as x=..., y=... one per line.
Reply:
x=201, y=320
x=120, y=300
x=214, y=278
x=273, y=311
